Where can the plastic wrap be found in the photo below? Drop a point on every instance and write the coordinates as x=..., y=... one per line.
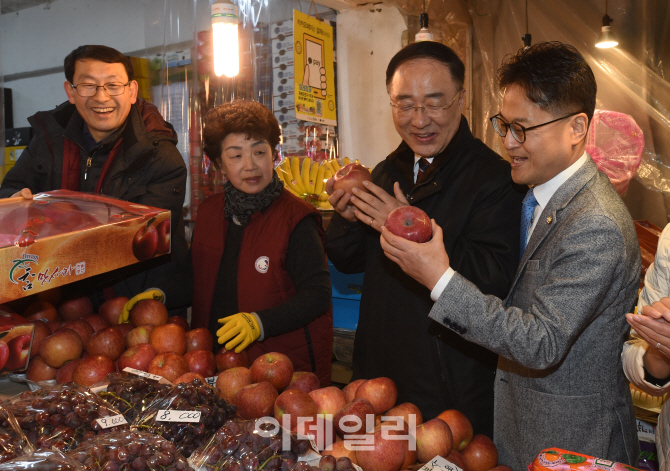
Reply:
x=131, y=394
x=555, y=459
x=240, y=445
x=188, y=416
x=43, y=460
x=130, y=450
x=13, y=442
x=62, y=416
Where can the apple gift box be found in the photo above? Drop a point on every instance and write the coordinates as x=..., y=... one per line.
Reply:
x=64, y=236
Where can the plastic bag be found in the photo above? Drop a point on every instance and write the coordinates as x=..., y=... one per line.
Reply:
x=555, y=459
x=135, y=450
x=188, y=416
x=13, y=442
x=131, y=394
x=62, y=416
x=238, y=446
x=43, y=460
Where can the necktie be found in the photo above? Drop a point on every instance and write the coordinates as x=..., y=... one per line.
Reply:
x=527, y=208
x=423, y=166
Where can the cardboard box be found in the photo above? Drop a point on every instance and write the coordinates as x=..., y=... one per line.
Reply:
x=64, y=236
x=281, y=28
x=283, y=104
x=281, y=72
x=283, y=59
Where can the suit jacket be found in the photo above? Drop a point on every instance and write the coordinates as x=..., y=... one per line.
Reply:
x=560, y=331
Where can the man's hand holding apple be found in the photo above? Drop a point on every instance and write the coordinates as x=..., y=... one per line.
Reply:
x=374, y=207
x=425, y=262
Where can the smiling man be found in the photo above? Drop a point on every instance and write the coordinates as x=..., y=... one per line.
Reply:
x=442, y=169
x=106, y=141
x=559, y=332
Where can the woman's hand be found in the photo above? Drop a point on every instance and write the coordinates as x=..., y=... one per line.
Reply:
x=652, y=325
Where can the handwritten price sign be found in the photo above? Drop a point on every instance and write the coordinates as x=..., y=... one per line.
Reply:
x=143, y=374
x=178, y=416
x=111, y=421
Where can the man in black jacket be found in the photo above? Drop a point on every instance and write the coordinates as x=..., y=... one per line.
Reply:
x=107, y=141
x=462, y=184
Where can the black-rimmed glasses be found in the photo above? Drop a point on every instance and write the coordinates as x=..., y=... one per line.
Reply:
x=518, y=131
x=90, y=89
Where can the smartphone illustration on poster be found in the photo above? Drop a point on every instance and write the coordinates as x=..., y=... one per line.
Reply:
x=315, y=72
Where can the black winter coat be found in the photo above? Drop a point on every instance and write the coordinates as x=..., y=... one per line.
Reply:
x=470, y=194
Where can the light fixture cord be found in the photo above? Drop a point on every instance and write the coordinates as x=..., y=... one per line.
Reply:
x=424, y=6
x=527, y=16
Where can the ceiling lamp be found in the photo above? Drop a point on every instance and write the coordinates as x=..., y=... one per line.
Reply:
x=225, y=41
x=607, y=38
x=424, y=33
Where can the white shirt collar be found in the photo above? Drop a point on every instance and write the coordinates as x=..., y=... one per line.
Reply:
x=418, y=157
x=545, y=191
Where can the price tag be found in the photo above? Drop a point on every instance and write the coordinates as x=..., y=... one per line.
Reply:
x=178, y=416
x=645, y=431
x=143, y=374
x=111, y=421
x=439, y=463
x=211, y=380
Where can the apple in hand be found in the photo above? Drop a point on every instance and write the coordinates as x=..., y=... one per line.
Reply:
x=461, y=428
x=232, y=380
x=433, y=438
x=255, y=400
x=163, y=229
x=411, y=223
x=351, y=176
x=274, y=367
x=145, y=241
x=481, y=454
x=381, y=392
x=227, y=359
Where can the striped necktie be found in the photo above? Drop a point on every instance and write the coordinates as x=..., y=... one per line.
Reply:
x=423, y=166
x=527, y=208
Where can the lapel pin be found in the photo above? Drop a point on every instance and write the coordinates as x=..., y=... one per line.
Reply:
x=549, y=220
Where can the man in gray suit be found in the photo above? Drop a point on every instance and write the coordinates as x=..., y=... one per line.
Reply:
x=560, y=330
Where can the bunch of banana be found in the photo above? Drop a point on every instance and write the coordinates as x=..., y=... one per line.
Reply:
x=306, y=180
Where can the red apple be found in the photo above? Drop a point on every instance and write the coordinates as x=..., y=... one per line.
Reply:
x=461, y=428
x=180, y=321
x=168, y=338
x=304, y=381
x=320, y=430
x=75, y=308
x=145, y=242
x=501, y=467
x=51, y=295
x=381, y=392
x=386, y=454
x=17, y=219
x=97, y=322
x=274, y=367
x=295, y=403
x=19, y=352
x=456, y=458
x=201, y=361
x=350, y=389
x=64, y=373
x=433, y=438
x=40, y=371
x=405, y=410
x=41, y=310
x=328, y=400
x=255, y=400
x=138, y=357
x=411, y=223
x=190, y=376
x=108, y=342
x=199, y=339
x=123, y=329
x=92, y=369
x=54, y=325
x=354, y=418
x=227, y=359
x=62, y=346
x=111, y=309
x=148, y=311
x=4, y=354
x=339, y=450
x=232, y=380
x=351, y=176
x=40, y=332
x=168, y=365
x=80, y=326
x=139, y=335
x=481, y=454
x=163, y=229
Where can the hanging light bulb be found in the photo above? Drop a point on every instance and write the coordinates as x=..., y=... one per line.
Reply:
x=607, y=38
x=424, y=33
x=225, y=39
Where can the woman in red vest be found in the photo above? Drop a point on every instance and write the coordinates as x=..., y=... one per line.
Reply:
x=260, y=275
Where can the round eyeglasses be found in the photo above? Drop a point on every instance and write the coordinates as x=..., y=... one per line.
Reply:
x=500, y=126
x=90, y=89
x=432, y=111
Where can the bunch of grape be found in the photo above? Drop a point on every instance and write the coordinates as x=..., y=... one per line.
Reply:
x=45, y=460
x=137, y=451
x=238, y=447
x=330, y=463
x=132, y=394
x=193, y=396
x=13, y=441
x=60, y=417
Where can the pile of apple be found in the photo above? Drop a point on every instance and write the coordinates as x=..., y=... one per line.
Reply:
x=73, y=343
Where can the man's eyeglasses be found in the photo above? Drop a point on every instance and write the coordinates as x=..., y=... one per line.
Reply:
x=518, y=131
x=90, y=89
x=432, y=111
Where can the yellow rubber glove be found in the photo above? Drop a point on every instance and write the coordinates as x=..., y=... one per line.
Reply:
x=149, y=294
x=242, y=328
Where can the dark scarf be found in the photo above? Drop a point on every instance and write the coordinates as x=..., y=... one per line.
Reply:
x=244, y=205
